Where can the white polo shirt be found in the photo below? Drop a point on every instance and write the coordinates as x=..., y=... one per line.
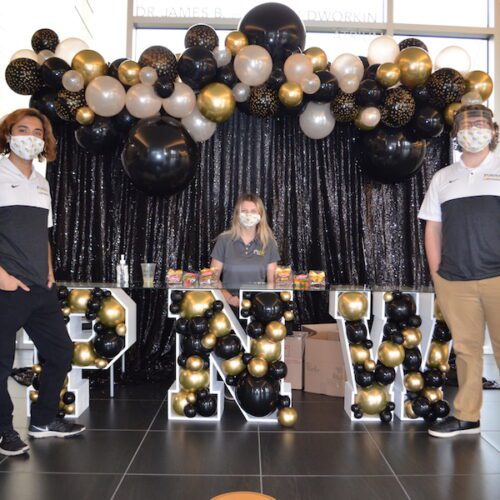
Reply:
x=25, y=216
x=467, y=202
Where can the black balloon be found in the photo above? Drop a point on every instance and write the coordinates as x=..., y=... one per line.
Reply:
x=356, y=331
x=226, y=75
x=328, y=88
x=164, y=87
x=415, y=321
x=284, y=402
x=421, y=407
x=160, y=157
x=390, y=328
x=413, y=359
x=68, y=398
x=371, y=72
x=197, y=325
x=35, y=382
x=232, y=380
x=45, y=101
x=176, y=295
x=207, y=406
x=277, y=370
x=441, y=409
x=385, y=375
x=98, y=137
x=201, y=35
x=293, y=111
x=441, y=332
x=67, y=104
x=161, y=59
x=365, y=62
x=23, y=76
x=433, y=378
x=197, y=67
x=257, y=396
x=246, y=358
x=267, y=307
x=202, y=393
x=364, y=378
x=44, y=39
x=182, y=359
x=412, y=42
x=428, y=122
x=228, y=347
x=108, y=345
x=113, y=67
x=192, y=345
x=255, y=329
x=181, y=325
x=369, y=93
x=421, y=95
x=93, y=305
x=368, y=343
x=277, y=78
x=275, y=27
x=99, y=328
x=218, y=306
x=358, y=414
x=398, y=338
x=124, y=121
x=190, y=410
x=401, y=308
x=391, y=406
x=52, y=71
x=385, y=416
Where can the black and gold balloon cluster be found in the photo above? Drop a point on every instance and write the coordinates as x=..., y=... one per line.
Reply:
x=108, y=315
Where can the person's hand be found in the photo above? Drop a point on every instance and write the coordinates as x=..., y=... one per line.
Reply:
x=9, y=283
x=234, y=301
x=50, y=279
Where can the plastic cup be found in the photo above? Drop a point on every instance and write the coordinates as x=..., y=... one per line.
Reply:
x=148, y=274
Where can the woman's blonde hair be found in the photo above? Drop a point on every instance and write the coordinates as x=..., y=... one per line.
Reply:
x=264, y=232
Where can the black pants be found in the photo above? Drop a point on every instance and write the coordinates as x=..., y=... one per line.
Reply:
x=39, y=313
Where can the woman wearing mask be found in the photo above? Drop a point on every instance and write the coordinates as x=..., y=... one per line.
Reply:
x=247, y=252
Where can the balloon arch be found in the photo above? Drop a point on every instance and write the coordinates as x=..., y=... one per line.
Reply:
x=167, y=103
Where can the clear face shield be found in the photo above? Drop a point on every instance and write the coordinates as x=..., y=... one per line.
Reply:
x=473, y=129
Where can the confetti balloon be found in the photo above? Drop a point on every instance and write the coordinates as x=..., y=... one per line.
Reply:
x=263, y=101
x=161, y=59
x=44, y=39
x=201, y=35
x=23, y=76
x=344, y=107
x=398, y=107
x=445, y=86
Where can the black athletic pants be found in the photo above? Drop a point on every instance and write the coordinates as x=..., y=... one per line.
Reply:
x=39, y=313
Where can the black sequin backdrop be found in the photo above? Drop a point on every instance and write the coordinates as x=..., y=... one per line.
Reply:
x=325, y=213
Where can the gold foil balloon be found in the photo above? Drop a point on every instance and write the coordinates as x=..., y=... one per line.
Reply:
x=450, y=111
x=438, y=354
x=69, y=409
x=196, y=303
x=191, y=397
x=77, y=300
x=233, y=366
x=90, y=64
x=290, y=94
x=194, y=380
x=66, y=311
x=317, y=57
x=121, y=329
x=370, y=365
x=372, y=399
x=388, y=74
x=209, y=340
x=432, y=394
x=414, y=381
x=37, y=368
x=391, y=354
x=275, y=330
x=258, y=367
x=33, y=396
x=415, y=65
x=444, y=367
x=194, y=363
x=246, y=304
x=266, y=348
x=352, y=305
x=388, y=296
x=111, y=313
x=285, y=296
x=409, y=409
x=179, y=401
x=101, y=363
x=359, y=354
x=412, y=337
x=216, y=102
x=83, y=354
x=235, y=41
x=287, y=417
x=480, y=82
x=437, y=312
x=219, y=325
x=84, y=115
x=288, y=315
x=129, y=73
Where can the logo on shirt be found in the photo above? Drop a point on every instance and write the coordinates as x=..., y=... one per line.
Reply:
x=14, y=186
x=491, y=177
x=452, y=180
x=258, y=252
x=42, y=190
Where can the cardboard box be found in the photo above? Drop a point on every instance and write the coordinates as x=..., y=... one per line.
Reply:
x=324, y=371
x=294, y=359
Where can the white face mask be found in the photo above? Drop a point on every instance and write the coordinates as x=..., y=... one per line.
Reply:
x=474, y=139
x=27, y=147
x=249, y=220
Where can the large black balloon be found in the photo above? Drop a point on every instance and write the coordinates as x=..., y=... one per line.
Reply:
x=228, y=347
x=413, y=359
x=124, y=121
x=356, y=331
x=197, y=67
x=160, y=157
x=207, y=406
x=277, y=78
x=257, y=396
x=428, y=122
x=400, y=308
x=267, y=306
x=275, y=27
x=52, y=71
x=385, y=375
x=45, y=101
x=108, y=345
x=369, y=93
x=99, y=137
x=328, y=88
x=391, y=155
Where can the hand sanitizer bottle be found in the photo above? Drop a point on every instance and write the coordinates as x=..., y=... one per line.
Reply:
x=122, y=273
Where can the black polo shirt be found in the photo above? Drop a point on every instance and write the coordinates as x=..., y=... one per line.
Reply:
x=25, y=216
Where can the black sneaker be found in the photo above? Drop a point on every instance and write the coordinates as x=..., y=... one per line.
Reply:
x=11, y=444
x=451, y=426
x=58, y=428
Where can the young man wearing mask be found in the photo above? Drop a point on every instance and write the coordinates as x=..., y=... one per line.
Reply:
x=28, y=294
x=462, y=243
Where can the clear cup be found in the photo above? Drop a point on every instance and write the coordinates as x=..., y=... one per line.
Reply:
x=148, y=274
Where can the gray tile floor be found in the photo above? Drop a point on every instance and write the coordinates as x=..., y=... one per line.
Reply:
x=132, y=451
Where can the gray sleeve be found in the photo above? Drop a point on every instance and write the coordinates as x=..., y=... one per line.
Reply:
x=272, y=252
x=219, y=251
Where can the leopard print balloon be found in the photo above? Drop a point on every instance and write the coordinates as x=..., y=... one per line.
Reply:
x=44, y=39
x=445, y=86
x=67, y=104
x=344, y=107
x=263, y=101
x=161, y=59
x=23, y=76
x=201, y=35
x=412, y=42
x=398, y=107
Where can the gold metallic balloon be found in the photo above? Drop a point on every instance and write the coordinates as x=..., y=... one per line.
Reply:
x=69, y=409
x=372, y=399
x=437, y=312
x=121, y=329
x=412, y=337
x=480, y=82
x=352, y=305
x=287, y=417
x=84, y=115
x=219, y=325
x=388, y=296
x=450, y=111
x=37, y=368
x=433, y=394
x=216, y=102
x=33, y=396
x=438, y=354
x=83, y=354
x=290, y=94
x=194, y=380
x=391, y=354
x=414, y=381
x=288, y=315
x=66, y=311
x=258, y=367
x=196, y=303
x=179, y=401
x=266, y=348
x=194, y=363
x=285, y=296
x=246, y=304
x=66, y=381
x=388, y=74
x=191, y=397
x=111, y=312
x=444, y=367
x=62, y=392
x=101, y=363
x=415, y=65
x=370, y=365
x=359, y=354
x=409, y=409
x=233, y=366
x=61, y=405
x=235, y=41
x=317, y=57
x=209, y=340
x=128, y=72
x=275, y=330
x=90, y=64
x=77, y=300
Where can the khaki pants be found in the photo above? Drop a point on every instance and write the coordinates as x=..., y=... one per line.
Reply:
x=467, y=306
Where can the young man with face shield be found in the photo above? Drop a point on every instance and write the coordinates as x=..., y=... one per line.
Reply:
x=462, y=243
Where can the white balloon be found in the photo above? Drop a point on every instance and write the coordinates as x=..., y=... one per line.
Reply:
x=73, y=81
x=148, y=75
x=67, y=49
x=382, y=50
x=241, y=92
x=317, y=120
x=222, y=56
x=347, y=66
x=199, y=128
x=349, y=84
x=453, y=57
x=44, y=54
x=311, y=83
x=142, y=101
x=182, y=101
x=105, y=96
x=370, y=117
x=253, y=65
x=472, y=97
x=27, y=54
x=297, y=67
